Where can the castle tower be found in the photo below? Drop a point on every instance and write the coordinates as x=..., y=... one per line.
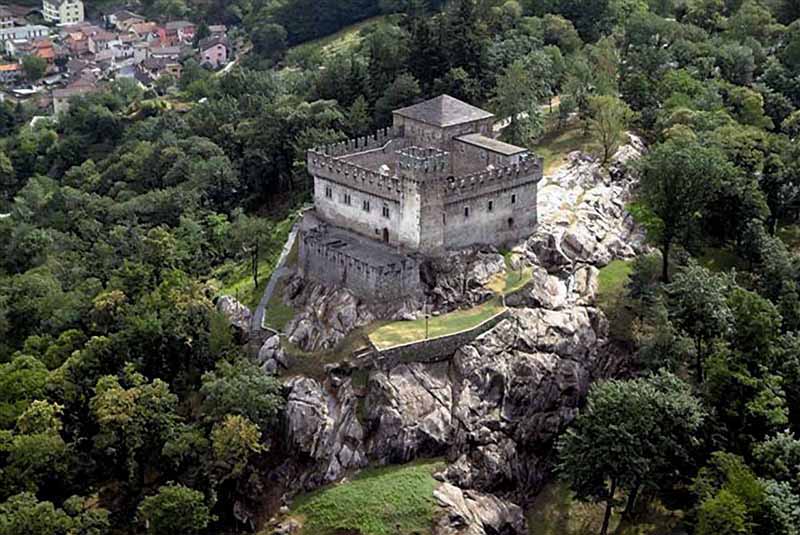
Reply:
x=421, y=171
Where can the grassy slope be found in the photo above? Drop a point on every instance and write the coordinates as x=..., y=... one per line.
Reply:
x=393, y=500
x=554, y=512
x=611, y=295
x=557, y=143
x=344, y=40
x=401, y=332
x=235, y=278
x=277, y=313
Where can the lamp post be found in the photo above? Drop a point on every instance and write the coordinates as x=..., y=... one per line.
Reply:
x=427, y=316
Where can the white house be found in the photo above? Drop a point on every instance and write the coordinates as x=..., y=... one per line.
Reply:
x=62, y=11
x=25, y=33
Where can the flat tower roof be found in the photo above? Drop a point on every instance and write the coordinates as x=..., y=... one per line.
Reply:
x=444, y=111
x=491, y=144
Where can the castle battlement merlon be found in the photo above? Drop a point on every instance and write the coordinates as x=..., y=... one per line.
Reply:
x=491, y=179
x=349, y=173
x=359, y=144
x=422, y=161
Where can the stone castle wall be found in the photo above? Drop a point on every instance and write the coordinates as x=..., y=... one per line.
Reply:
x=353, y=216
x=491, y=207
x=470, y=220
x=369, y=273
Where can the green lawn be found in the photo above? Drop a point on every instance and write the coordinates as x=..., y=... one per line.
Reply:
x=402, y=332
x=344, y=40
x=393, y=500
x=611, y=298
x=554, y=512
x=557, y=143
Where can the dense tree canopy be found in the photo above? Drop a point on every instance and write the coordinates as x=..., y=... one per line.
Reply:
x=127, y=401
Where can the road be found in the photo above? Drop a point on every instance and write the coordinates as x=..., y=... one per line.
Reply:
x=257, y=321
x=500, y=125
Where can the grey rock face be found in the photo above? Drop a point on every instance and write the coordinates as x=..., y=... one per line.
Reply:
x=271, y=357
x=322, y=428
x=327, y=315
x=473, y=513
x=410, y=412
x=236, y=313
x=493, y=408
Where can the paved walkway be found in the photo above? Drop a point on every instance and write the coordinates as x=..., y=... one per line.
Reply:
x=257, y=321
x=280, y=271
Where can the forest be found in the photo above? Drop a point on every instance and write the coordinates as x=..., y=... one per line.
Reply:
x=128, y=405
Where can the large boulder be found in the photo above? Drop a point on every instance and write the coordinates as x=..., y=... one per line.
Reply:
x=468, y=512
x=236, y=313
x=543, y=290
x=271, y=357
x=322, y=428
x=410, y=412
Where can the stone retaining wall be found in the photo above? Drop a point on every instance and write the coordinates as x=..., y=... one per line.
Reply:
x=433, y=349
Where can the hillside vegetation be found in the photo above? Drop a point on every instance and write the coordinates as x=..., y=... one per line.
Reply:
x=129, y=404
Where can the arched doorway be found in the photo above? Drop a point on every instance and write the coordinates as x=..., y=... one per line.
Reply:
x=510, y=222
x=385, y=234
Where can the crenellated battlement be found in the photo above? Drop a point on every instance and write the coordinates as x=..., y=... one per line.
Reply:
x=435, y=180
x=422, y=162
x=480, y=183
x=339, y=170
x=359, y=144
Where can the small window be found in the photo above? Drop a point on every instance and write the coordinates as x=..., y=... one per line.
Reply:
x=347, y=199
x=365, y=206
x=444, y=218
x=513, y=199
x=466, y=211
x=328, y=192
x=385, y=211
x=491, y=205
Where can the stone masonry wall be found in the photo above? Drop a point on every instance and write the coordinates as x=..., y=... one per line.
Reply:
x=434, y=349
x=338, y=268
x=504, y=222
x=370, y=223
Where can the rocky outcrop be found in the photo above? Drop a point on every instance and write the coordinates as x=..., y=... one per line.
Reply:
x=327, y=315
x=582, y=214
x=271, y=356
x=410, y=412
x=473, y=513
x=323, y=430
x=459, y=279
x=495, y=406
x=236, y=313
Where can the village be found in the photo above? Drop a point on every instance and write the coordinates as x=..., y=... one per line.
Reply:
x=54, y=52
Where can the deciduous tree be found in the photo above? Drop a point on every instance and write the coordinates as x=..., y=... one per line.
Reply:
x=630, y=435
x=608, y=122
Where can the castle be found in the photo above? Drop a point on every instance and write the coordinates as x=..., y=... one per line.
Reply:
x=436, y=180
